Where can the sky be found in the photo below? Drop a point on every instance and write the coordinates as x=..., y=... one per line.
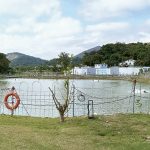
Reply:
x=45, y=28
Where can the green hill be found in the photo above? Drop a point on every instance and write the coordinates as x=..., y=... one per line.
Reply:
x=113, y=54
x=19, y=59
x=94, y=49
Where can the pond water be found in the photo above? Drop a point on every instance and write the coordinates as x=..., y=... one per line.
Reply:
x=108, y=97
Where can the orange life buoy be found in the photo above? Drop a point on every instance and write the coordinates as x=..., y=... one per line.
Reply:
x=13, y=104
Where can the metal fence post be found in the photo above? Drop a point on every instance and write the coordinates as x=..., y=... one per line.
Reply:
x=90, y=115
x=134, y=85
x=73, y=100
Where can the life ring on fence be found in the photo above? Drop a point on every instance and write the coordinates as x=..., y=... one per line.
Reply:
x=13, y=104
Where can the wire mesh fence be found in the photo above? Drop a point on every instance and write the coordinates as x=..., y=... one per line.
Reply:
x=84, y=101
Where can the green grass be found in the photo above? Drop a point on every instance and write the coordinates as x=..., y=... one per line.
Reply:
x=118, y=132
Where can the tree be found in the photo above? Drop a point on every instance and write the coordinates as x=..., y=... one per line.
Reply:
x=113, y=54
x=4, y=63
x=62, y=106
x=115, y=59
x=65, y=61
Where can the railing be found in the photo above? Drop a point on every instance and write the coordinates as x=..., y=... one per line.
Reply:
x=40, y=103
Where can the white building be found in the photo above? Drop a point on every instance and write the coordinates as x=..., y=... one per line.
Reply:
x=145, y=69
x=101, y=66
x=129, y=62
x=102, y=69
x=114, y=70
x=129, y=70
x=125, y=70
x=83, y=71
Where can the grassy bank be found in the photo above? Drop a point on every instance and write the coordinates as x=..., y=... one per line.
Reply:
x=78, y=77
x=120, y=132
x=144, y=78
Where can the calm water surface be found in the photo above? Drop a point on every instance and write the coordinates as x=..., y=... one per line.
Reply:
x=109, y=96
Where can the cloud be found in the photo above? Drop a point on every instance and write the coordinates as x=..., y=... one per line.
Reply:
x=25, y=32
x=102, y=9
x=63, y=27
x=144, y=32
x=35, y=8
x=144, y=37
x=147, y=22
x=53, y=36
x=40, y=28
x=107, y=31
x=108, y=26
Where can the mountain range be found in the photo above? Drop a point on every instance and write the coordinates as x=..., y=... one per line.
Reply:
x=18, y=59
x=94, y=49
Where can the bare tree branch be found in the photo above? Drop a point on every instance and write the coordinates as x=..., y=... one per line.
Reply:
x=55, y=99
x=62, y=107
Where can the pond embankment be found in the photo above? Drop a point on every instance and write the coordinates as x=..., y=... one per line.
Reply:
x=140, y=78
